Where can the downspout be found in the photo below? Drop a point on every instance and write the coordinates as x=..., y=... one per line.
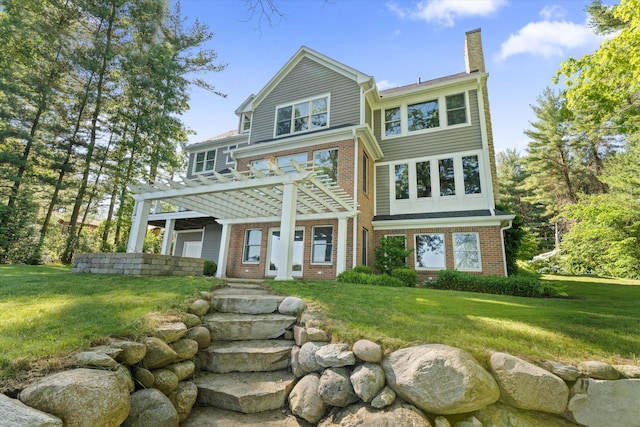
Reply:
x=504, y=255
x=355, y=198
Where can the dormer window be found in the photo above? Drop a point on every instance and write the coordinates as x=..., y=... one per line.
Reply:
x=246, y=122
x=302, y=116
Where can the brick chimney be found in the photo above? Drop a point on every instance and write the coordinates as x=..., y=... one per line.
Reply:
x=473, y=55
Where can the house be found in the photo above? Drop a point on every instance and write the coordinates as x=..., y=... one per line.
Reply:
x=323, y=165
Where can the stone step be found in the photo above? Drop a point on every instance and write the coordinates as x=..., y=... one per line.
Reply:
x=207, y=416
x=245, y=285
x=247, y=356
x=242, y=327
x=249, y=392
x=239, y=291
x=248, y=304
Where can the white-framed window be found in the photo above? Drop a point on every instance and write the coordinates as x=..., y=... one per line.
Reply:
x=302, y=116
x=466, y=251
x=446, y=173
x=365, y=246
x=263, y=165
x=456, y=109
x=423, y=179
x=252, y=245
x=430, y=251
x=229, y=160
x=365, y=173
x=204, y=161
x=326, y=162
x=392, y=121
x=423, y=115
x=284, y=162
x=401, y=174
x=471, y=175
x=246, y=122
x=322, y=252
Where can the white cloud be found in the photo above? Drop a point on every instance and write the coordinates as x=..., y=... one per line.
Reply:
x=385, y=84
x=553, y=12
x=446, y=12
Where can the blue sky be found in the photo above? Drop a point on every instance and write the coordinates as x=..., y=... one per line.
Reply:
x=396, y=42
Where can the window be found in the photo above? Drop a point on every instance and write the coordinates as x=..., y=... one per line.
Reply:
x=365, y=173
x=456, y=109
x=430, y=251
x=423, y=179
x=326, y=162
x=252, y=244
x=402, y=181
x=423, y=116
x=229, y=159
x=204, y=161
x=471, y=173
x=284, y=162
x=263, y=165
x=322, y=245
x=246, y=122
x=301, y=117
x=392, y=121
x=466, y=251
x=447, y=177
x=365, y=246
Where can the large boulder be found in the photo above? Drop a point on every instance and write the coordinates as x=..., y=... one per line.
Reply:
x=598, y=370
x=170, y=331
x=132, y=352
x=335, y=387
x=440, y=379
x=159, y=354
x=183, y=370
x=305, y=401
x=186, y=348
x=527, y=386
x=359, y=414
x=503, y=415
x=149, y=407
x=367, y=380
x=335, y=356
x=183, y=398
x=292, y=306
x=598, y=403
x=16, y=413
x=165, y=380
x=201, y=335
x=307, y=358
x=81, y=397
x=367, y=351
x=95, y=359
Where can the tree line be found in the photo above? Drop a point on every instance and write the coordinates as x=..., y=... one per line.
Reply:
x=577, y=186
x=91, y=93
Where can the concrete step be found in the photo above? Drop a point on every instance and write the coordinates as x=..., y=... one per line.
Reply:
x=247, y=356
x=249, y=392
x=248, y=304
x=242, y=327
x=207, y=416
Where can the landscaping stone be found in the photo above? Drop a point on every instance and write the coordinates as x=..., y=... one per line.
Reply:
x=335, y=387
x=526, y=386
x=241, y=327
x=81, y=397
x=501, y=415
x=183, y=398
x=149, y=407
x=440, y=379
x=367, y=380
x=603, y=403
x=132, y=352
x=385, y=398
x=468, y=422
x=191, y=320
x=247, y=356
x=443, y=422
x=359, y=414
x=295, y=363
x=305, y=401
x=300, y=335
x=170, y=331
x=186, y=348
x=124, y=373
x=307, y=358
x=94, y=359
x=199, y=307
x=200, y=335
x=144, y=377
x=158, y=355
x=165, y=380
x=183, y=370
x=598, y=370
x=367, y=351
x=205, y=416
x=566, y=372
x=292, y=306
x=15, y=413
x=247, y=304
x=315, y=334
x=335, y=355
x=628, y=371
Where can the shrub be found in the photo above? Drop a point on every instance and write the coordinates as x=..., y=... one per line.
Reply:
x=525, y=286
x=210, y=268
x=369, y=279
x=391, y=253
x=408, y=276
x=363, y=269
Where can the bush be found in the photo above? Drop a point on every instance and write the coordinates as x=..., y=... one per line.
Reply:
x=363, y=269
x=391, y=253
x=525, y=286
x=210, y=268
x=369, y=279
x=408, y=276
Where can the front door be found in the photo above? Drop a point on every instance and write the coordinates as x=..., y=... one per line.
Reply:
x=275, y=246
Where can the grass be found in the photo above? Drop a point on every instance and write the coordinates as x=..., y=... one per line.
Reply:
x=47, y=312
x=601, y=322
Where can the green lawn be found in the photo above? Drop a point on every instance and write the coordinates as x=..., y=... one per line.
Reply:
x=47, y=311
x=601, y=323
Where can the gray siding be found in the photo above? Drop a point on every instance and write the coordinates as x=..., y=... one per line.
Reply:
x=195, y=236
x=221, y=159
x=308, y=79
x=382, y=190
x=211, y=243
x=433, y=143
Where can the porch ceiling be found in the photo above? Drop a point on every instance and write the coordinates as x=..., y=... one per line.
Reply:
x=252, y=194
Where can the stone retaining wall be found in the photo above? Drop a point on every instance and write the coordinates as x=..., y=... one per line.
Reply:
x=137, y=264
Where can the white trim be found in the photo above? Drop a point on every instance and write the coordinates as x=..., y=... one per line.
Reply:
x=478, y=249
x=204, y=163
x=469, y=221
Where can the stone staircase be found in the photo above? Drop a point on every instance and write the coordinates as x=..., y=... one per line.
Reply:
x=245, y=373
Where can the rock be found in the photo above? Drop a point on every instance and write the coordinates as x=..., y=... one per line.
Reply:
x=468, y=422
x=385, y=398
x=81, y=397
x=299, y=335
x=566, y=372
x=159, y=354
x=183, y=370
x=443, y=422
x=307, y=358
x=318, y=335
x=292, y=306
x=295, y=363
x=191, y=320
x=503, y=415
x=144, y=377
x=199, y=307
x=440, y=379
x=598, y=403
x=208, y=416
x=170, y=331
x=165, y=380
x=132, y=352
x=201, y=335
x=185, y=348
x=628, y=371
x=149, y=407
x=526, y=386
x=94, y=359
x=125, y=376
x=335, y=387
x=598, y=370
x=367, y=351
x=183, y=398
x=367, y=380
x=335, y=355
x=359, y=414
x=16, y=413
x=304, y=400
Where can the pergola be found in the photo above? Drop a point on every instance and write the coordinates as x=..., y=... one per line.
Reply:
x=253, y=196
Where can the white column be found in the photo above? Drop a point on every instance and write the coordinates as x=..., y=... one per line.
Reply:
x=169, y=224
x=341, y=253
x=223, y=253
x=287, y=231
x=138, y=226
